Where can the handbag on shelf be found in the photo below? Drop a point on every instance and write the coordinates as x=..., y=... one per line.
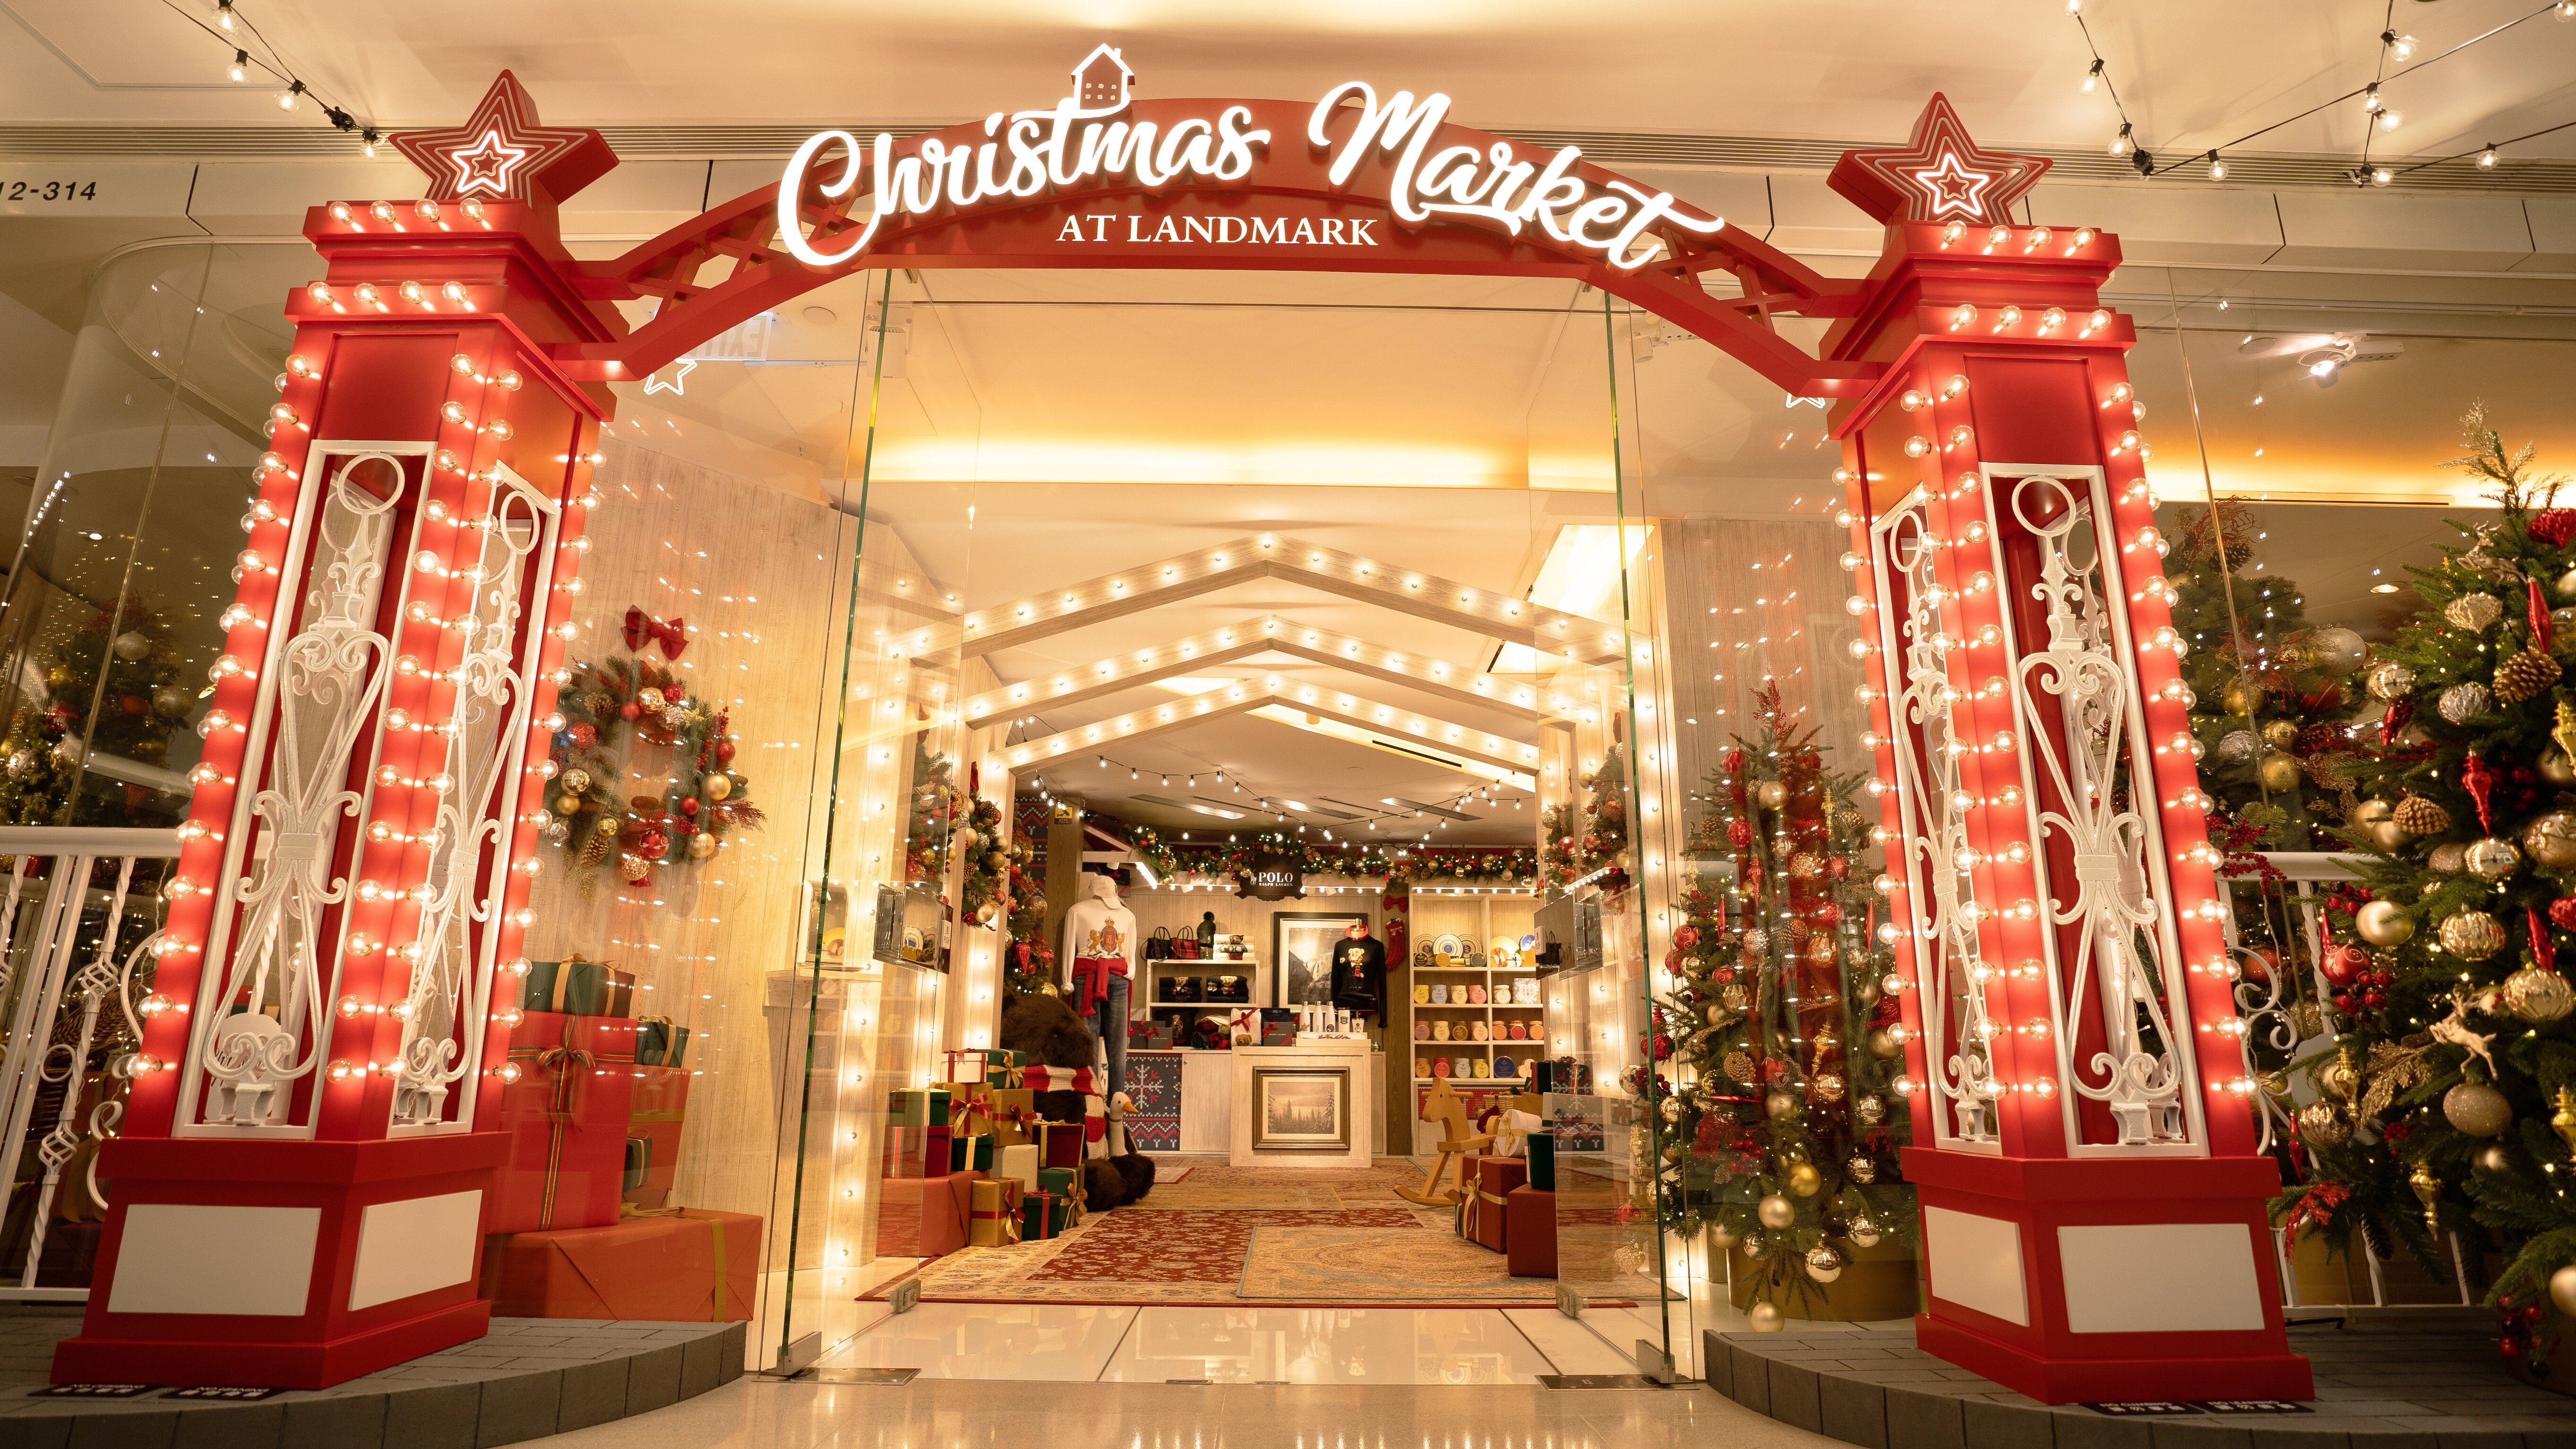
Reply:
x=1186, y=948
x=1158, y=946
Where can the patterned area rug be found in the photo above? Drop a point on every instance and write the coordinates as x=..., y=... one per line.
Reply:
x=1374, y=1265
x=1222, y=1234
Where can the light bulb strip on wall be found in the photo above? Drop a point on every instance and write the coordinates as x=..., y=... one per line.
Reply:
x=1280, y=808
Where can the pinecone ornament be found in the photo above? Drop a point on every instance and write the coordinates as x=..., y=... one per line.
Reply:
x=2419, y=816
x=2525, y=676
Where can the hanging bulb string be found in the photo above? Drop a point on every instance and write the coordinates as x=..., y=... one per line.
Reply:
x=242, y=55
x=2101, y=68
x=2357, y=92
x=2486, y=147
x=1261, y=804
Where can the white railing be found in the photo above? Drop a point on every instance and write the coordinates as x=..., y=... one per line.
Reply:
x=81, y=915
x=2284, y=1003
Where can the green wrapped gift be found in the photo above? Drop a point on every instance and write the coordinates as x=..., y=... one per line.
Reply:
x=1542, y=1161
x=639, y=1161
x=1043, y=1214
x=660, y=1044
x=577, y=987
x=1059, y=1180
x=919, y=1107
x=1003, y=1057
x=973, y=1153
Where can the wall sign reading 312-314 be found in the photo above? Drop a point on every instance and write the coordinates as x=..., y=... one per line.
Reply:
x=48, y=191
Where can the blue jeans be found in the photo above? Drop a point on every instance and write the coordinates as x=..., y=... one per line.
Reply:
x=1109, y=1024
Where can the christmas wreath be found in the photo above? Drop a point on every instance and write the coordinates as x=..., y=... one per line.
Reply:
x=705, y=800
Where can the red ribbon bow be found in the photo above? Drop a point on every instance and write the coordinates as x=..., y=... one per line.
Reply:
x=640, y=627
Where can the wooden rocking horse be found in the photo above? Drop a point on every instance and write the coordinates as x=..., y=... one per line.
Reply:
x=1456, y=1144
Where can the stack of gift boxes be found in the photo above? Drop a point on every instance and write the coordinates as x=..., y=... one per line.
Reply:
x=581, y=1219
x=1509, y=1200
x=972, y=1162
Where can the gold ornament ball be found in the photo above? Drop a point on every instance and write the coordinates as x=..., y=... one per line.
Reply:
x=567, y=804
x=2555, y=767
x=1862, y=1170
x=1828, y=1087
x=2383, y=923
x=2237, y=697
x=1781, y=1106
x=701, y=845
x=2538, y=996
x=2323, y=1126
x=2551, y=839
x=2562, y=1284
x=2280, y=734
x=716, y=788
x=2367, y=813
x=2493, y=858
x=1824, y=1264
x=2448, y=858
x=1870, y=1110
x=2338, y=650
x=1764, y=1317
x=2278, y=773
x=2477, y=1109
x=1772, y=794
x=2472, y=935
x=1805, y=1181
x=1738, y=1066
x=1776, y=1211
x=2389, y=681
x=1721, y=1237
x=1885, y=1045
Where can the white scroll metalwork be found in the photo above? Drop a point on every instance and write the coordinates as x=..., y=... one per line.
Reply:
x=267, y=1026
x=2084, y=761
x=484, y=738
x=1939, y=910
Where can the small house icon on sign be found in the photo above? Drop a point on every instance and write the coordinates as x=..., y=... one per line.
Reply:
x=1100, y=82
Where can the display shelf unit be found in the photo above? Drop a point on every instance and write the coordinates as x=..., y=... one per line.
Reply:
x=1249, y=967
x=1478, y=919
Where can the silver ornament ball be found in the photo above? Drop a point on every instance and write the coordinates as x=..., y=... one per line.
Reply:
x=1776, y=1211
x=2477, y=1109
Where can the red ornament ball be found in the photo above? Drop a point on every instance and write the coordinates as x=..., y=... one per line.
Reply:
x=630, y=710
x=2563, y=912
x=724, y=751
x=2344, y=964
x=653, y=845
x=584, y=735
x=689, y=806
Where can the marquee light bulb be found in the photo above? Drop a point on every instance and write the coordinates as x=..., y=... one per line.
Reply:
x=241, y=66
x=287, y=97
x=2487, y=159
x=2120, y=142
x=2093, y=77
x=2217, y=167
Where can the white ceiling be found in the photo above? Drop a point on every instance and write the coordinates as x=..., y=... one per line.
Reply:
x=2194, y=73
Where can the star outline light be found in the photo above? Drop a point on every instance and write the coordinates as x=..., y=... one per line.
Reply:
x=502, y=152
x=1939, y=174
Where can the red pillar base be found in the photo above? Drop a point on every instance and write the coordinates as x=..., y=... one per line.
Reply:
x=268, y=1264
x=2098, y=1279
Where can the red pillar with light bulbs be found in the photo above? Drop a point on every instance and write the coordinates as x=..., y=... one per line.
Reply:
x=298, y=1191
x=2093, y=1201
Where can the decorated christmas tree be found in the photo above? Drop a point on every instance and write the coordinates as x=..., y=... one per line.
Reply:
x=1784, y=1129
x=112, y=693
x=2271, y=693
x=2447, y=1102
x=1589, y=837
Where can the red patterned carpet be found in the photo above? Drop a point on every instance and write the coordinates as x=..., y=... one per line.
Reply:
x=1245, y=1234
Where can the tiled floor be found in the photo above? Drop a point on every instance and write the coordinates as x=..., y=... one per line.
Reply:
x=949, y=1414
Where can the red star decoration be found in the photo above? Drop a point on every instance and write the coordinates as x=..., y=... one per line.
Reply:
x=1940, y=175
x=502, y=153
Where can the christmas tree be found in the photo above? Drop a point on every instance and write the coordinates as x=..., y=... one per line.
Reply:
x=2271, y=694
x=112, y=694
x=2447, y=1103
x=1782, y=1141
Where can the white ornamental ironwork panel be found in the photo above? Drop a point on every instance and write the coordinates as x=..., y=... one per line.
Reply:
x=2109, y=947
x=261, y=1022
x=479, y=758
x=1918, y=632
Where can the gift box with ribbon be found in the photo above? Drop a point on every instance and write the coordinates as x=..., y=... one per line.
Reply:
x=1018, y=1162
x=685, y=1265
x=919, y=1107
x=1529, y=1232
x=970, y=1154
x=1061, y=1144
x=1482, y=1209
x=575, y=986
x=660, y=1044
x=566, y=1115
x=657, y=1112
x=1009, y=1114
x=993, y=1218
x=924, y=1217
x=1043, y=1215
x=964, y=1066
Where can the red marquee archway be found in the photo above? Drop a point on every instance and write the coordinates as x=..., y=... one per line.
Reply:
x=2092, y=1232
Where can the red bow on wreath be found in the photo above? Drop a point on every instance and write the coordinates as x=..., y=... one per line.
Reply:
x=640, y=626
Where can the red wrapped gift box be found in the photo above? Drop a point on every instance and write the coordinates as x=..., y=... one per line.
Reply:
x=1530, y=1232
x=567, y=1120
x=1481, y=1212
x=1062, y=1146
x=924, y=1217
x=693, y=1266
x=658, y=1111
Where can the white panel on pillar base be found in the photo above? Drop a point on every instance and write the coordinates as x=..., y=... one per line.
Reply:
x=1975, y=1262
x=2160, y=1278
x=182, y=1258
x=415, y=1245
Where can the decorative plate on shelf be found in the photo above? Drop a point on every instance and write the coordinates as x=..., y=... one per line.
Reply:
x=1448, y=946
